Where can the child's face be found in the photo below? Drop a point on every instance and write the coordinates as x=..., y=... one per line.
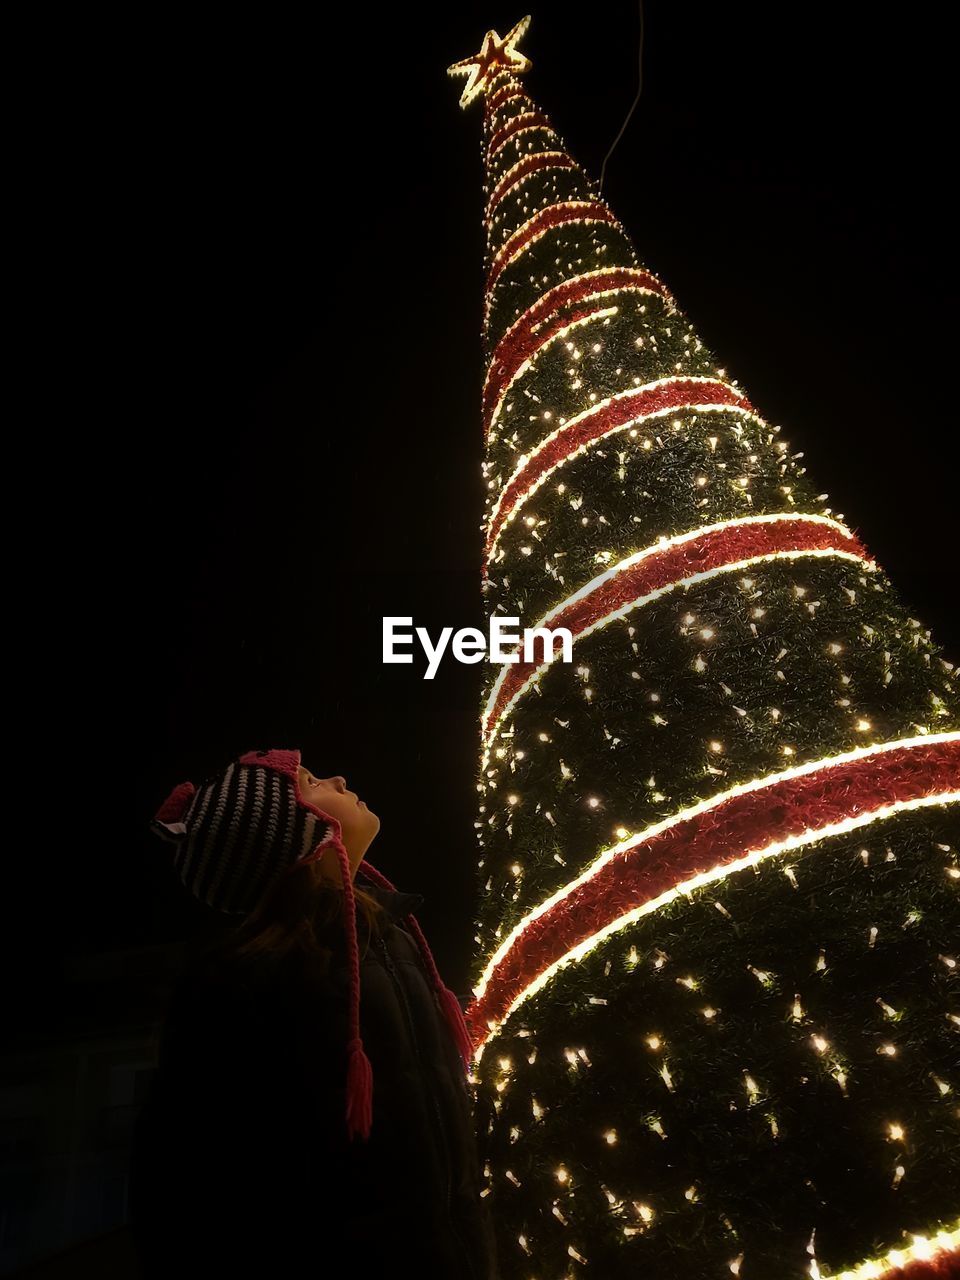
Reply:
x=358, y=824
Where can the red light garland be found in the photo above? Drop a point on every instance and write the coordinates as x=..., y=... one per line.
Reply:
x=548, y=316
x=554, y=215
x=619, y=411
x=713, y=549
x=717, y=837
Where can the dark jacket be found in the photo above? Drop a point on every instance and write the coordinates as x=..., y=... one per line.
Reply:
x=242, y=1165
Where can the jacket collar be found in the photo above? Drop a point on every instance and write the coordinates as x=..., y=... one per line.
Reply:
x=396, y=903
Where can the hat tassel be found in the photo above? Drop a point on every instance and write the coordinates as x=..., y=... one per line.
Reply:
x=359, y=1091
x=458, y=1027
x=449, y=1004
x=359, y=1070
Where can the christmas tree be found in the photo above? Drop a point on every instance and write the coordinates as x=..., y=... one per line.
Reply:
x=716, y=1013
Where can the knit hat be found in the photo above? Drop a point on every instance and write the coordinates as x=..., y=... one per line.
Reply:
x=245, y=826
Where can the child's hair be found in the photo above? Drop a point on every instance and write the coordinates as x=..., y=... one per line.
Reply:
x=301, y=911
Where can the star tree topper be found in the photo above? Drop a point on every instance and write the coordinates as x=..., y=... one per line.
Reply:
x=496, y=55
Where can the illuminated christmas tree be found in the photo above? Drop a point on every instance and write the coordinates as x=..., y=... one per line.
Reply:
x=716, y=1006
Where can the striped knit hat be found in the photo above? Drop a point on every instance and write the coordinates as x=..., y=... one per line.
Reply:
x=240, y=830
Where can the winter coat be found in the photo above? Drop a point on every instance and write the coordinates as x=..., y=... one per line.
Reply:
x=242, y=1164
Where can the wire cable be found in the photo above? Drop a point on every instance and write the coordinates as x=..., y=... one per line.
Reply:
x=603, y=167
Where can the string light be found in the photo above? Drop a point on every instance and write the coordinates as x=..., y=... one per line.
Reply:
x=922, y=1249
x=568, y=213
x=648, y=402
x=497, y=705
x=848, y=824
x=541, y=325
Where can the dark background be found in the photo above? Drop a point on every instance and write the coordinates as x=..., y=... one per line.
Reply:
x=262, y=352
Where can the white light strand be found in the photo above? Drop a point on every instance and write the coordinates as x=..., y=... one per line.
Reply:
x=713, y=802
x=604, y=313
x=710, y=877
x=592, y=411
x=492, y=151
x=504, y=186
x=923, y=1248
x=598, y=273
x=505, y=259
x=491, y=729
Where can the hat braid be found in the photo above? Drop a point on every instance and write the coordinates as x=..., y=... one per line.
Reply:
x=359, y=1070
x=449, y=1003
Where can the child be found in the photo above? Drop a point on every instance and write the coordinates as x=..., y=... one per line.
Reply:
x=272, y=1143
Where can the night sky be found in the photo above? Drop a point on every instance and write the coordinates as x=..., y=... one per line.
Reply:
x=277, y=226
